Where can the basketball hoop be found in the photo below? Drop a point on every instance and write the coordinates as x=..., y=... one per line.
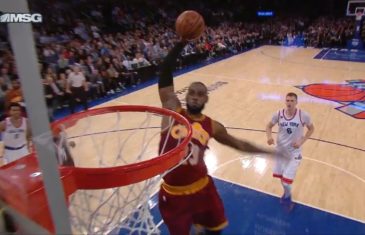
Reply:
x=112, y=181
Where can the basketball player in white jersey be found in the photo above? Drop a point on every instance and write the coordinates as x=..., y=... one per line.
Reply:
x=16, y=134
x=290, y=138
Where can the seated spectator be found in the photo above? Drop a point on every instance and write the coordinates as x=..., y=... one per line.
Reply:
x=96, y=85
x=62, y=62
x=139, y=61
x=5, y=79
x=14, y=94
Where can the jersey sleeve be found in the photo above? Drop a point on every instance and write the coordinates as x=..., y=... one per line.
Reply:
x=305, y=118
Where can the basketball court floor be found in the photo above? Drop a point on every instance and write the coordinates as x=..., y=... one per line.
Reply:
x=244, y=92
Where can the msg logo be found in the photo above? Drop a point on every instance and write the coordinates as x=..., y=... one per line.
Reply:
x=20, y=18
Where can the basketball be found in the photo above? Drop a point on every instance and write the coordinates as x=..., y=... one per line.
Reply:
x=190, y=25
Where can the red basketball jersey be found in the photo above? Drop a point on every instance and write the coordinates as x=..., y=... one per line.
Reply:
x=193, y=168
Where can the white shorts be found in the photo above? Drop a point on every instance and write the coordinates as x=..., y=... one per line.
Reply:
x=285, y=167
x=13, y=155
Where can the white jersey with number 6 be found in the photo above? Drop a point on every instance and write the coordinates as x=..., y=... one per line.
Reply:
x=290, y=129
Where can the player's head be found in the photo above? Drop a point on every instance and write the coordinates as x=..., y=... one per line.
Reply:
x=76, y=69
x=291, y=100
x=196, y=97
x=15, y=110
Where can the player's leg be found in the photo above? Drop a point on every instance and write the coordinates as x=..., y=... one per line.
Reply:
x=288, y=178
x=280, y=164
x=176, y=212
x=211, y=216
x=7, y=156
x=289, y=173
x=23, y=152
x=13, y=155
x=278, y=168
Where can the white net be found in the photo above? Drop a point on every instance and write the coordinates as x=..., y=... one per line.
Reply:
x=107, y=140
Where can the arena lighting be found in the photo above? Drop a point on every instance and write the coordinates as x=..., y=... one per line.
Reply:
x=265, y=13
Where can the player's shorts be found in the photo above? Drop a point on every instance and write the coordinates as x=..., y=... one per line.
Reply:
x=203, y=208
x=13, y=154
x=285, y=167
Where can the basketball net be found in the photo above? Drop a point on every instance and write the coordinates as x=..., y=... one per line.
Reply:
x=108, y=140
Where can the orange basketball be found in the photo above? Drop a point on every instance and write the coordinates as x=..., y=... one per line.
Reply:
x=190, y=25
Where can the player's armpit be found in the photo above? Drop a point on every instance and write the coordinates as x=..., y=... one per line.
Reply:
x=309, y=133
x=270, y=125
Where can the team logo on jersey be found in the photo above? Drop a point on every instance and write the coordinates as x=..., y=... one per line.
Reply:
x=201, y=135
x=350, y=96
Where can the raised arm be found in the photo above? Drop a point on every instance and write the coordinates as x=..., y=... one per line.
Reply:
x=166, y=90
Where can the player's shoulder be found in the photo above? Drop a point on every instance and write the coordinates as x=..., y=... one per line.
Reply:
x=278, y=113
x=217, y=127
x=303, y=113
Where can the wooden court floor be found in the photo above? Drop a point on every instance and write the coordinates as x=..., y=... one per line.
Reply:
x=245, y=90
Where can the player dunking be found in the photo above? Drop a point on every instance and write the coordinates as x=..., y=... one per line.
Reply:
x=291, y=122
x=188, y=195
x=16, y=134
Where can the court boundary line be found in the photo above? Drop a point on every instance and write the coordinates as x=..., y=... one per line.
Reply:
x=328, y=51
x=158, y=225
x=227, y=127
x=298, y=202
x=311, y=138
x=264, y=53
x=274, y=195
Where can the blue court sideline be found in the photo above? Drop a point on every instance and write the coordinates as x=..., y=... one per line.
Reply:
x=342, y=55
x=253, y=213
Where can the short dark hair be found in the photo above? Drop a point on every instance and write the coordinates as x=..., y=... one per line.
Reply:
x=292, y=94
x=14, y=104
x=202, y=84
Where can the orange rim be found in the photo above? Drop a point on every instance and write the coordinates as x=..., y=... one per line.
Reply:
x=109, y=177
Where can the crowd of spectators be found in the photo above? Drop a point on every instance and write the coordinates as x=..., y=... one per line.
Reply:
x=87, y=51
